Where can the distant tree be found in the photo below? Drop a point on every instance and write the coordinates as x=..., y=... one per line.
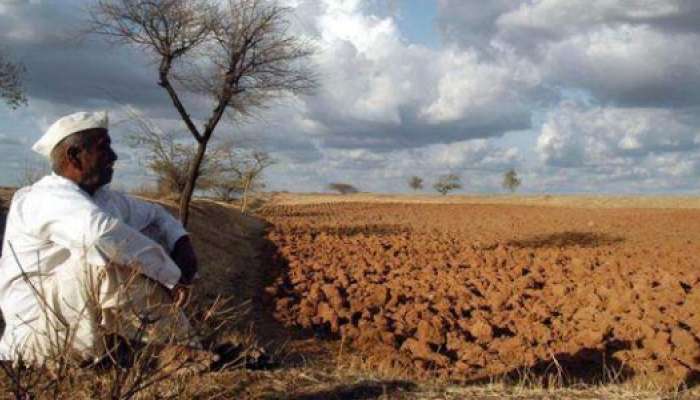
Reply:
x=11, y=90
x=511, y=180
x=447, y=183
x=415, y=182
x=342, y=188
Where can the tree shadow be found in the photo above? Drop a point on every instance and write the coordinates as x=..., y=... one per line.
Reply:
x=567, y=239
x=357, y=391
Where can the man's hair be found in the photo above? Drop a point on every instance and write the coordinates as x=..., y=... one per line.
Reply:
x=59, y=154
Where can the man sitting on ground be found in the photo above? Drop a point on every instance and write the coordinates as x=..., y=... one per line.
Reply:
x=81, y=263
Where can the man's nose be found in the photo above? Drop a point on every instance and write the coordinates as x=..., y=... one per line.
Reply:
x=113, y=156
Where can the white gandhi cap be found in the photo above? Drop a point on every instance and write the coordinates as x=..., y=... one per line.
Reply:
x=67, y=126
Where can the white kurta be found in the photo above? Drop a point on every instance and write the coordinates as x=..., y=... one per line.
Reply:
x=53, y=224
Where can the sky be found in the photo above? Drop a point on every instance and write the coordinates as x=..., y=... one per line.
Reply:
x=579, y=96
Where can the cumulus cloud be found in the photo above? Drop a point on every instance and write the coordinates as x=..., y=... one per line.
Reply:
x=471, y=23
x=629, y=65
x=379, y=91
x=575, y=136
x=555, y=19
x=632, y=53
x=647, y=149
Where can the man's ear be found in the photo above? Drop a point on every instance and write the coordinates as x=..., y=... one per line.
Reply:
x=73, y=156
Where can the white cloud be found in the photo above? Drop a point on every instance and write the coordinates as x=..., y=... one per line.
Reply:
x=629, y=64
x=634, y=53
x=558, y=18
x=377, y=90
x=469, y=88
x=579, y=136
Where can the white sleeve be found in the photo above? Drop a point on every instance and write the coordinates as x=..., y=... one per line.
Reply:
x=152, y=218
x=107, y=239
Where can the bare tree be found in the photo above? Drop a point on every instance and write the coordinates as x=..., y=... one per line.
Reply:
x=11, y=83
x=447, y=183
x=511, y=180
x=241, y=174
x=342, y=188
x=236, y=52
x=415, y=183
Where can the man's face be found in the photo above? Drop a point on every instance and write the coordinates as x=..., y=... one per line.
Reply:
x=98, y=159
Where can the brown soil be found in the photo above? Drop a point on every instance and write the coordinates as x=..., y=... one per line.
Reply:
x=476, y=291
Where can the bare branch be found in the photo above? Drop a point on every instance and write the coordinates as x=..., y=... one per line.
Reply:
x=238, y=53
x=167, y=28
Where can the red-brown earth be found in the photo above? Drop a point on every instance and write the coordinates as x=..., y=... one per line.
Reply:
x=476, y=291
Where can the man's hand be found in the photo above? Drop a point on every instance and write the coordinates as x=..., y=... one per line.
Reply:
x=185, y=258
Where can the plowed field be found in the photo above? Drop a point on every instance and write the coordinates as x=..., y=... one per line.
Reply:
x=474, y=291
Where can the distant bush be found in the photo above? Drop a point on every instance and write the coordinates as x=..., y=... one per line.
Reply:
x=447, y=183
x=342, y=188
x=169, y=159
x=415, y=182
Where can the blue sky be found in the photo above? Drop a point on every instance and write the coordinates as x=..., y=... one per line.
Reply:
x=595, y=96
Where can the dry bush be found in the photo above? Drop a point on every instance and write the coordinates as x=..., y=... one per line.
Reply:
x=169, y=159
x=342, y=188
x=415, y=182
x=239, y=173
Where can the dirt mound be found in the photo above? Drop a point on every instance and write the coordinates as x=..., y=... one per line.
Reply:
x=478, y=291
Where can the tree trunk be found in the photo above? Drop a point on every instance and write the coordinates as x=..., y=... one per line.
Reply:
x=244, y=203
x=193, y=174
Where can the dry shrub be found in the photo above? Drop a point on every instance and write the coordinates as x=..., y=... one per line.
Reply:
x=342, y=188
